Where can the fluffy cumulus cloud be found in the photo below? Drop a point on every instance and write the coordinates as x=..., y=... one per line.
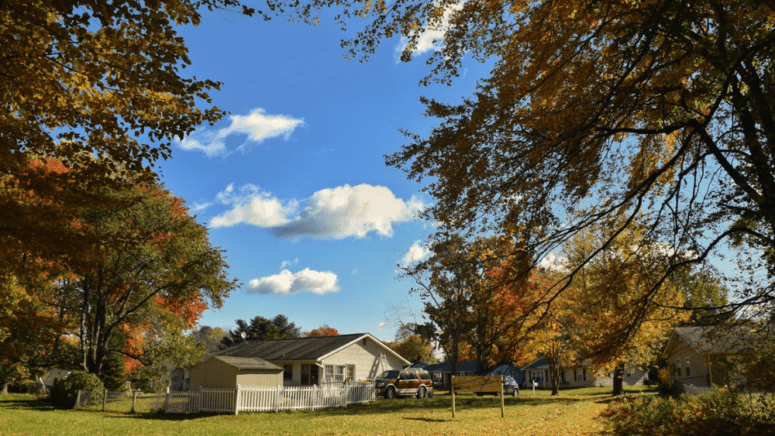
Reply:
x=288, y=283
x=251, y=205
x=338, y=213
x=432, y=37
x=257, y=126
x=381, y=325
x=416, y=253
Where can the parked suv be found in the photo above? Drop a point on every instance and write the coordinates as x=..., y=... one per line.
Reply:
x=410, y=383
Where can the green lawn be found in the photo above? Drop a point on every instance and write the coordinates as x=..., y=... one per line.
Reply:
x=572, y=413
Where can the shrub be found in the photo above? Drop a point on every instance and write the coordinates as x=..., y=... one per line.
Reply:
x=721, y=412
x=65, y=391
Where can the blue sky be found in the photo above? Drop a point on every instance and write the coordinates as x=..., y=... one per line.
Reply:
x=293, y=182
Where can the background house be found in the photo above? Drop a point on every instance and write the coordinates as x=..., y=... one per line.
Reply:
x=704, y=356
x=441, y=373
x=323, y=359
x=576, y=376
x=229, y=371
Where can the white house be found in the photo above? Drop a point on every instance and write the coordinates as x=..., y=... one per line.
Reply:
x=323, y=359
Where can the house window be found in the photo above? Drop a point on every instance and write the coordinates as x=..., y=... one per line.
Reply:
x=288, y=372
x=335, y=373
x=309, y=375
x=584, y=373
x=688, y=368
x=575, y=377
x=364, y=342
x=678, y=366
x=350, y=373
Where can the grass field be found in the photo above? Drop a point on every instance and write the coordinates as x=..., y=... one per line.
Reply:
x=573, y=413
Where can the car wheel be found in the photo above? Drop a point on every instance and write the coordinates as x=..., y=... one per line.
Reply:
x=390, y=393
x=422, y=393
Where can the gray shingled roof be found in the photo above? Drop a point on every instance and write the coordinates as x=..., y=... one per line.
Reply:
x=305, y=349
x=538, y=363
x=721, y=340
x=247, y=362
x=447, y=367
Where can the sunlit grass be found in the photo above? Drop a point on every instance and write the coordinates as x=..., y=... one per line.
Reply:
x=574, y=412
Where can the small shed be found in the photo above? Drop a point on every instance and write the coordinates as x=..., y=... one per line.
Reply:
x=228, y=372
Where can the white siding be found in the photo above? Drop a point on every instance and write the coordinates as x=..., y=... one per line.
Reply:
x=366, y=359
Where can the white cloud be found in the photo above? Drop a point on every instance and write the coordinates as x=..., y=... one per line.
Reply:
x=416, y=253
x=381, y=325
x=196, y=207
x=257, y=126
x=338, y=213
x=252, y=206
x=287, y=283
x=432, y=38
x=555, y=263
x=289, y=263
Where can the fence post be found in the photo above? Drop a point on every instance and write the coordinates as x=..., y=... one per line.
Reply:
x=167, y=401
x=134, y=400
x=236, y=401
x=77, y=399
x=104, y=399
x=276, y=399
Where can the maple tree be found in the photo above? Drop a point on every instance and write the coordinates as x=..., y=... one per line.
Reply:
x=324, y=330
x=657, y=110
x=93, y=95
x=151, y=269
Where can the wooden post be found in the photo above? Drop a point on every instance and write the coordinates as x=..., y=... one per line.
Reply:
x=134, y=400
x=452, y=388
x=167, y=401
x=104, y=399
x=276, y=399
x=236, y=401
x=503, y=415
x=77, y=399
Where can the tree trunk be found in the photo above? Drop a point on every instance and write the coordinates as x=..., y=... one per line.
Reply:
x=5, y=389
x=619, y=379
x=554, y=374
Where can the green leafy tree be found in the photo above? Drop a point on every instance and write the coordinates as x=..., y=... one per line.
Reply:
x=209, y=337
x=65, y=391
x=262, y=329
x=156, y=270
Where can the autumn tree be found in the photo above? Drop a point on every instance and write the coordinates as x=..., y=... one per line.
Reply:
x=657, y=110
x=324, y=330
x=466, y=290
x=413, y=348
x=608, y=289
x=93, y=95
x=152, y=269
x=262, y=329
x=31, y=337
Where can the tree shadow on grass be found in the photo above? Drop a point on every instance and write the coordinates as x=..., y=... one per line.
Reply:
x=32, y=403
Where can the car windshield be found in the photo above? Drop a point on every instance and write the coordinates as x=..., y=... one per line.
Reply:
x=389, y=374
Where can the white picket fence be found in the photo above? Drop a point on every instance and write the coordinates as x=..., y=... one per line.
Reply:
x=267, y=399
